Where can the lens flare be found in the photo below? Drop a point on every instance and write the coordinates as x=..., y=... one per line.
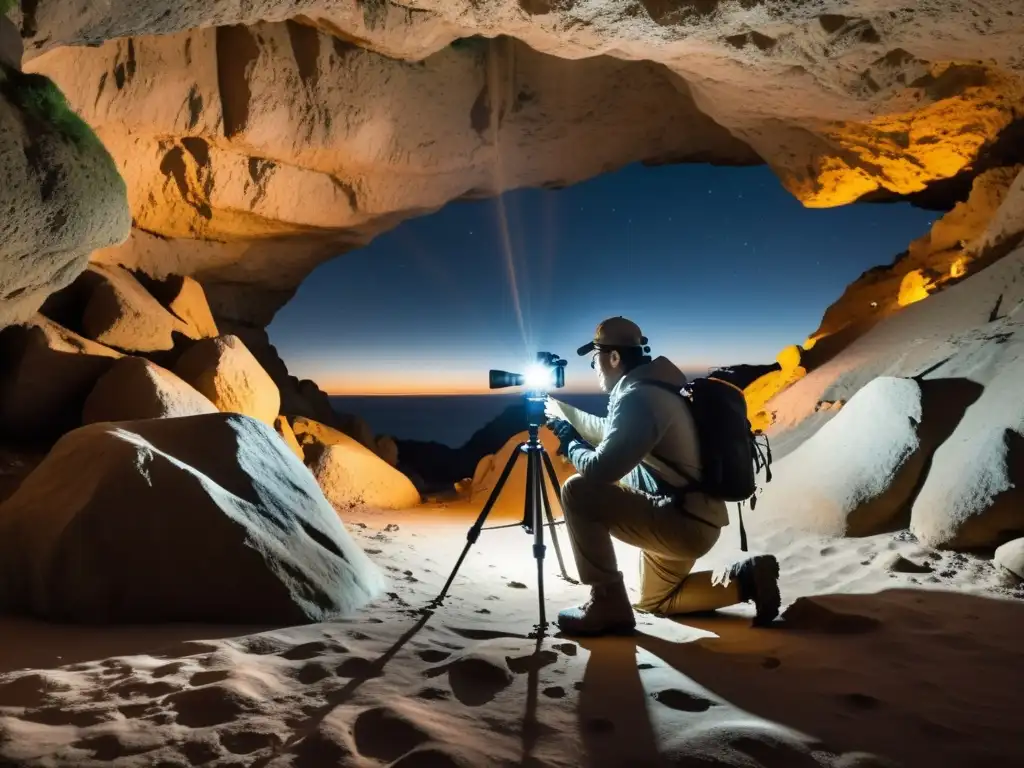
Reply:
x=538, y=376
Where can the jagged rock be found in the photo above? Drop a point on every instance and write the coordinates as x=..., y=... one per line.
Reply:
x=46, y=373
x=948, y=253
x=857, y=474
x=228, y=374
x=201, y=519
x=184, y=298
x=60, y=193
x=284, y=429
x=136, y=388
x=1011, y=557
x=349, y=473
x=964, y=347
x=220, y=157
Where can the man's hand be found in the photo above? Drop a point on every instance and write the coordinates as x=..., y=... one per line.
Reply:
x=553, y=410
x=566, y=434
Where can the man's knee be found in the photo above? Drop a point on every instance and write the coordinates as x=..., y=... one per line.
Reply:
x=578, y=492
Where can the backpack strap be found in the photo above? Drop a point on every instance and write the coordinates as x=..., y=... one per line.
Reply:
x=693, y=484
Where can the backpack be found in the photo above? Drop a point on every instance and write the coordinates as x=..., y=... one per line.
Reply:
x=730, y=452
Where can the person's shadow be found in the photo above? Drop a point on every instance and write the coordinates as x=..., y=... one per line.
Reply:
x=912, y=676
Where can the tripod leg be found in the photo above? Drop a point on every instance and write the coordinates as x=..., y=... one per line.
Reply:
x=534, y=493
x=528, y=501
x=474, y=532
x=547, y=508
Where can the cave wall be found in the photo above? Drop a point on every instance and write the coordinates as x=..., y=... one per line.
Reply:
x=259, y=139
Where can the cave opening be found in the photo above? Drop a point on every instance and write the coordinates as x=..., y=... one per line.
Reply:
x=721, y=266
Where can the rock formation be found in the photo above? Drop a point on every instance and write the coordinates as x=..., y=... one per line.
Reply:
x=281, y=134
x=60, y=192
x=350, y=473
x=136, y=388
x=228, y=374
x=204, y=518
x=963, y=346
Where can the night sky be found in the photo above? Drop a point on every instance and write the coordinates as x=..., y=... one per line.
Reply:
x=718, y=266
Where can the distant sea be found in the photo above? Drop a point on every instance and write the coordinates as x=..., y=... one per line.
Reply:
x=447, y=419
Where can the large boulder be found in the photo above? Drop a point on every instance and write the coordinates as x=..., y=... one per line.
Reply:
x=350, y=474
x=61, y=195
x=973, y=496
x=226, y=372
x=204, y=519
x=856, y=475
x=46, y=373
x=136, y=388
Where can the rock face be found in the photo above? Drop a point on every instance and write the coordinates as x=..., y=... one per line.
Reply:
x=957, y=246
x=227, y=373
x=858, y=473
x=351, y=474
x=136, y=388
x=964, y=347
x=61, y=194
x=46, y=373
x=285, y=132
x=207, y=518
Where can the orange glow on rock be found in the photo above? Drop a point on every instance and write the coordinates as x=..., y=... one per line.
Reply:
x=913, y=288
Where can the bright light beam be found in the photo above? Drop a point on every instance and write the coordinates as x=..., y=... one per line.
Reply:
x=494, y=91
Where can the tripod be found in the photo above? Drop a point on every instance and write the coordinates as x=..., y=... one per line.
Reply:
x=537, y=461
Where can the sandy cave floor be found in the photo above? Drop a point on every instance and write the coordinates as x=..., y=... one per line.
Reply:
x=924, y=668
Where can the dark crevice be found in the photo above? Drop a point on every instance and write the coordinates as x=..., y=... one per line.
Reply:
x=480, y=114
x=994, y=314
x=306, y=49
x=236, y=51
x=195, y=106
x=943, y=405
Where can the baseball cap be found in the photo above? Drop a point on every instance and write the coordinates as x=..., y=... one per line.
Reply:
x=615, y=332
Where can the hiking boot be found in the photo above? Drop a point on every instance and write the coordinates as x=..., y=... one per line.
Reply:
x=608, y=611
x=758, y=580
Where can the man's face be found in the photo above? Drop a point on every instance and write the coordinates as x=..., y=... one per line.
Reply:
x=608, y=368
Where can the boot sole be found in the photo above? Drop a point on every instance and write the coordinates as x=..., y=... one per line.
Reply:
x=767, y=599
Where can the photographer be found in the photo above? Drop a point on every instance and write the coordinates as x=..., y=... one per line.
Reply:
x=627, y=487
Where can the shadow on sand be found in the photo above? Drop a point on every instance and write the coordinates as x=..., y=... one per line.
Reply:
x=915, y=677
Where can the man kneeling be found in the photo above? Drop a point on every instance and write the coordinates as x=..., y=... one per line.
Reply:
x=627, y=487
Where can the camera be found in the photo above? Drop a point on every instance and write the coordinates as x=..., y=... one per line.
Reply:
x=548, y=372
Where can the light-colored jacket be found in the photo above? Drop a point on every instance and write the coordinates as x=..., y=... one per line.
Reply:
x=644, y=420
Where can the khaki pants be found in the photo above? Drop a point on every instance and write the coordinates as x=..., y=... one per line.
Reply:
x=671, y=542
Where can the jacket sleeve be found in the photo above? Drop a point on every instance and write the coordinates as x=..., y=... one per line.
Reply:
x=632, y=431
x=590, y=427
